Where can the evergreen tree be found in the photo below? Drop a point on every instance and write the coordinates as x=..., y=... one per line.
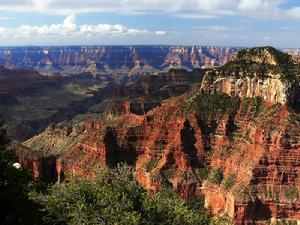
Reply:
x=15, y=206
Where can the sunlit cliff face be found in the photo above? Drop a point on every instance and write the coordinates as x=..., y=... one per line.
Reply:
x=235, y=140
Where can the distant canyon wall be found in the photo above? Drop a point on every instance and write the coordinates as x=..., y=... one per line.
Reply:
x=117, y=59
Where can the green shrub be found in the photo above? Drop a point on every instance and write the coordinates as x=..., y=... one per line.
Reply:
x=241, y=192
x=15, y=186
x=254, y=105
x=216, y=176
x=168, y=173
x=291, y=193
x=215, y=103
x=203, y=173
x=229, y=181
x=115, y=197
x=152, y=164
x=220, y=220
x=284, y=222
x=196, y=203
x=244, y=65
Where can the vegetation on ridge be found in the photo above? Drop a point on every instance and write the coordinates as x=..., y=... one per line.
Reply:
x=207, y=104
x=249, y=62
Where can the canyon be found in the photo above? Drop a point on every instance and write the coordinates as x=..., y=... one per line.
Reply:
x=233, y=138
x=136, y=59
x=113, y=59
x=44, y=85
x=30, y=101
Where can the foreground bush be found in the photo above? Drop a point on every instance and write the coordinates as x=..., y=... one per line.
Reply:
x=114, y=197
x=15, y=206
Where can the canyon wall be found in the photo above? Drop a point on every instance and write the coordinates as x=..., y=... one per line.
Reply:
x=30, y=101
x=113, y=59
x=236, y=141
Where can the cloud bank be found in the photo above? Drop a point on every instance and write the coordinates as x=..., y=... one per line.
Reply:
x=203, y=9
x=70, y=28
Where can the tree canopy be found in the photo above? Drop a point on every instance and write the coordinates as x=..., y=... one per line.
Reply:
x=115, y=197
x=15, y=206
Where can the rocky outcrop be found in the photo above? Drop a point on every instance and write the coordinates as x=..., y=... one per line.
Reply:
x=272, y=89
x=239, y=150
x=261, y=72
x=150, y=90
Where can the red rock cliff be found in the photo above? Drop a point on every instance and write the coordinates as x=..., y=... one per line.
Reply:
x=251, y=147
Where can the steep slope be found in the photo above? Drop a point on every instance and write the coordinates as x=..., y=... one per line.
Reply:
x=236, y=141
x=30, y=101
x=261, y=164
x=150, y=90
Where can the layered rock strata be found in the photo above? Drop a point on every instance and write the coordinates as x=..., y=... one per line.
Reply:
x=113, y=59
x=236, y=141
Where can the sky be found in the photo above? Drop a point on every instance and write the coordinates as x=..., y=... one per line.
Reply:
x=240, y=23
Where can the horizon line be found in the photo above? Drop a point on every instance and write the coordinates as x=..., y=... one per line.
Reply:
x=139, y=45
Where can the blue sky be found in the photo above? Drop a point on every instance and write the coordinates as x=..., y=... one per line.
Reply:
x=174, y=22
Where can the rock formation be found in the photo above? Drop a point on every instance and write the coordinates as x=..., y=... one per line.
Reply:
x=259, y=72
x=236, y=141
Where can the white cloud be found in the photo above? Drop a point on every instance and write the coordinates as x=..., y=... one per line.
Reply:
x=70, y=28
x=137, y=32
x=293, y=12
x=160, y=32
x=41, y=5
x=102, y=29
x=198, y=9
x=251, y=4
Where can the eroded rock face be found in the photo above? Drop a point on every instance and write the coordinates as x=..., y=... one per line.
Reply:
x=260, y=161
x=165, y=150
x=261, y=72
x=249, y=142
x=150, y=90
x=271, y=90
x=268, y=148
